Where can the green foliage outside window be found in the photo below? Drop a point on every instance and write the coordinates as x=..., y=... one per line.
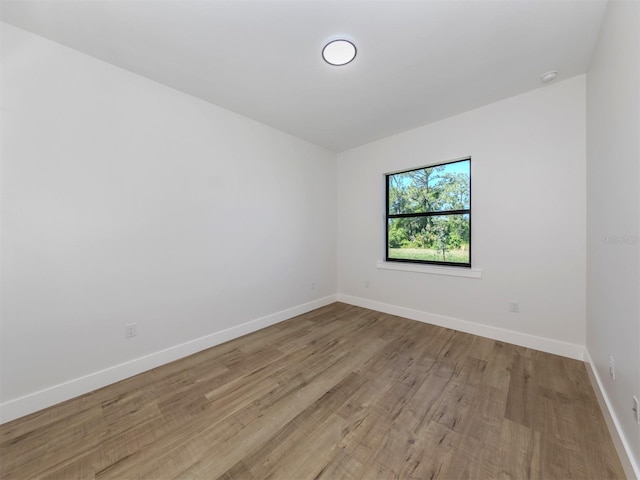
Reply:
x=429, y=214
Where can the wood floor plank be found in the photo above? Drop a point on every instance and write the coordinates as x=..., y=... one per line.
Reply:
x=302, y=428
x=519, y=451
x=341, y=392
x=523, y=392
x=297, y=463
x=432, y=455
x=237, y=447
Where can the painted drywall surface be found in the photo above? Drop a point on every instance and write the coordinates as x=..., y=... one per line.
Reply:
x=613, y=206
x=126, y=201
x=528, y=188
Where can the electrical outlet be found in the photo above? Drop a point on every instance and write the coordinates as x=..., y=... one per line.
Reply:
x=514, y=307
x=130, y=330
x=366, y=284
x=636, y=409
x=612, y=367
x=313, y=285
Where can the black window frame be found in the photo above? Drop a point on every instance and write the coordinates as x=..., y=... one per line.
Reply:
x=427, y=214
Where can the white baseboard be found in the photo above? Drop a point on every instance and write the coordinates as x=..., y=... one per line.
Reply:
x=630, y=465
x=548, y=345
x=47, y=397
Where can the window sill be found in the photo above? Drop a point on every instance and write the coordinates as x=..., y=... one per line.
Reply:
x=434, y=270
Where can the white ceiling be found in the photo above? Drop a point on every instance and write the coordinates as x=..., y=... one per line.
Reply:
x=418, y=61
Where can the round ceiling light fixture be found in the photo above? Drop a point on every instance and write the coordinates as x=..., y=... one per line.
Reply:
x=549, y=77
x=339, y=52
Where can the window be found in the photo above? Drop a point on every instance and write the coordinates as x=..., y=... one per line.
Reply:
x=429, y=214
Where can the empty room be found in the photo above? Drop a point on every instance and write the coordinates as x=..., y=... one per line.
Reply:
x=320, y=239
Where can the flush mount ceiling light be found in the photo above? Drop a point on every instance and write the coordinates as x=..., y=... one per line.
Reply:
x=549, y=77
x=339, y=52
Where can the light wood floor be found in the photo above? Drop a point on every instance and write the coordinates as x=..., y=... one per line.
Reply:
x=341, y=392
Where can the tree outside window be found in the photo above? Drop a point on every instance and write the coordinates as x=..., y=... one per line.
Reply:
x=429, y=214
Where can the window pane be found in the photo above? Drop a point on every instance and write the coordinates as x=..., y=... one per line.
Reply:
x=441, y=238
x=432, y=189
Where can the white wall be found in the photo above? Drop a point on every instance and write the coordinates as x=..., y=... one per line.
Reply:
x=528, y=204
x=613, y=206
x=126, y=201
